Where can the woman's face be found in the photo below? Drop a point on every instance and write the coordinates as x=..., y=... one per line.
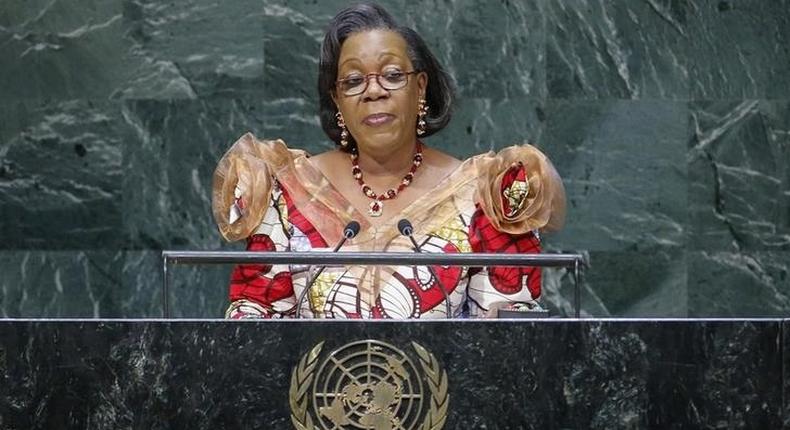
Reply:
x=380, y=120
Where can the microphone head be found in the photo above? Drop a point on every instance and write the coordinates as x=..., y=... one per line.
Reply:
x=404, y=227
x=351, y=230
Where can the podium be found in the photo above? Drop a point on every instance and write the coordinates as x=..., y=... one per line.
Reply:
x=462, y=374
x=548, y=373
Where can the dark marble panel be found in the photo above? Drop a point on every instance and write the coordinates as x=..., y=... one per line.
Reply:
x=502, y=375
x=623, y=284
x=739, y=175
x=716, y=392
x=198, y=291
x=481, y=124
x=295, y=120
x=55, y=50
x=64, y=149
x=194, y=291
x=492, y=49
x=785, y=342
x=617, y=49
x=623, y=166
x=60, y=175
x=142, y=291
x=728, y=284
x=558, y=294
x=739, y=49
x=292, y=36
x=103, y=284
x=62, y=284
x=193, y=48
x=170, y=163
x=640, y=284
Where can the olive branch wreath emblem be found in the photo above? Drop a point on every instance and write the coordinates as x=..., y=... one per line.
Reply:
x=304, y=373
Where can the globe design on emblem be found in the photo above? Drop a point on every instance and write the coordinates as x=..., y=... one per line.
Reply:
x=368, y=385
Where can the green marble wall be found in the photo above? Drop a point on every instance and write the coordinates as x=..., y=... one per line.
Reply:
x=668, y=120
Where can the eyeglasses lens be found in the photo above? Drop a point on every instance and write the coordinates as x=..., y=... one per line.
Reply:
x=358, y=84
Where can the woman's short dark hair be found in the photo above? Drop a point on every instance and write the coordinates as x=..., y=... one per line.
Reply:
x=370, y=16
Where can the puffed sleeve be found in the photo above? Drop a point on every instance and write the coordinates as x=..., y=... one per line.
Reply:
x=520, y=191
x=243, y=183
x=246, y=205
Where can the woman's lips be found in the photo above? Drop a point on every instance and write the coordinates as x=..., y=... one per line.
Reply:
x=378, y=119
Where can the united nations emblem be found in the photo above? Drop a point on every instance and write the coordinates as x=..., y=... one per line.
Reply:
x=368, y=384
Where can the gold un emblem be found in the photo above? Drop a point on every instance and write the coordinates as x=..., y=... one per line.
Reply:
x=368, y=384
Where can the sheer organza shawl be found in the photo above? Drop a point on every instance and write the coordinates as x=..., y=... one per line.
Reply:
x=250, y=167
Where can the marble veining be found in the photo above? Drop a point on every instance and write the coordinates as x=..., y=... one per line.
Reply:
x=502, y=375
x=668, y=121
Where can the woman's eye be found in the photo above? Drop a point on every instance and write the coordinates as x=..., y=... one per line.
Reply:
x=353, y=81
x=394, y=75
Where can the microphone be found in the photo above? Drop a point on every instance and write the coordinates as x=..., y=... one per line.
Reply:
x=405, y=228
x=351, y=229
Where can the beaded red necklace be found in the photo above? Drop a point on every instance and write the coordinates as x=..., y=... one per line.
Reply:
x=377, y=205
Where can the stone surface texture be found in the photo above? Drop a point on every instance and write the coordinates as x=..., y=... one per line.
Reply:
x=500, y=374
x=669, y=122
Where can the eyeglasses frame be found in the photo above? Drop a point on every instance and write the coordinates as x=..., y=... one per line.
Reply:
x=367, y=82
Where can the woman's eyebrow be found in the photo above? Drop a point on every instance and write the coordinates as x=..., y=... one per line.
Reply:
x=348, y=60
x=381, y=55
x=388, y=54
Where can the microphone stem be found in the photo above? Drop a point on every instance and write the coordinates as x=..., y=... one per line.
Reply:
x=339, y=244
x=448, y=308
x=416, y=246
x=309, y=284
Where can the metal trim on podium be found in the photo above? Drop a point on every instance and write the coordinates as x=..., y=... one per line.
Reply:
x=570, y=261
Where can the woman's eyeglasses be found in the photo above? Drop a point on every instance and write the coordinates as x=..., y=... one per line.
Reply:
x=357, y=84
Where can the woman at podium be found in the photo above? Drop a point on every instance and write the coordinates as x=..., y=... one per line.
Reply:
x=381, y=93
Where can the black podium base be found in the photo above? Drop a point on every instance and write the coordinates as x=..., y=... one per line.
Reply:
x=543, y=374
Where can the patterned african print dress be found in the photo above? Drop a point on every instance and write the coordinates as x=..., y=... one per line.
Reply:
x=277, y=200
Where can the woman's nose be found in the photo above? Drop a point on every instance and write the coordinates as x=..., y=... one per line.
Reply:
x=374, y=90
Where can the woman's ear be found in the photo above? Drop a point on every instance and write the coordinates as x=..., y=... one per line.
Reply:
x=422, y=83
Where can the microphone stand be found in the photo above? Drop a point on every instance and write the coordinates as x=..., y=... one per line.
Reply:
x=349, y=232
x=405, y=228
